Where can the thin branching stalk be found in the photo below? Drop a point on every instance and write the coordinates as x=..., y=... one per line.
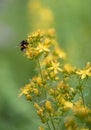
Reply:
x=41, y=76
x=48, y=126
x=82, y=98
x=40, y=69
x=81, y=92
x=53, y=125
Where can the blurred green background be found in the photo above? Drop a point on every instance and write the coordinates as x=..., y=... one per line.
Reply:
x=73, y=27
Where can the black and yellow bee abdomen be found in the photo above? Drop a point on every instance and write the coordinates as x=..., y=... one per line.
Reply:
x=23, y=45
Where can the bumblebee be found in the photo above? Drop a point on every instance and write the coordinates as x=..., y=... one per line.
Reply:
x=23, y=45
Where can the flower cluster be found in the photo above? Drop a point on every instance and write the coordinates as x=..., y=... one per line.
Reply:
x=54, y=97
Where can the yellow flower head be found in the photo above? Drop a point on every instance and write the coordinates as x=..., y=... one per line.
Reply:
x=41, y=128
x=37, y=80
x=40, y=112
x=55, y=66
x=25, y=90
x=70, y=123
x=79, y=110
x=47, y=41
x=69, y=69
x=84, y=73
x=42, y=48
x=48, y=105
x=67, y=105
x=36, y=92
x=29, y=97
x=36, y=106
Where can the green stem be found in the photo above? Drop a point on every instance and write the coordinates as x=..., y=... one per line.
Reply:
x=48, y=126
x=82, y=98
x=40, y=70
x=53, y=124
x=81, y=92
x=41, y=76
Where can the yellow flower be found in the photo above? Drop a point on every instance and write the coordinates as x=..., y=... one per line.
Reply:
x=37, y=80
x=29, y=97
x=48, y=105
x=47, y=60
x=41, y=128
x=42, y=48
x=25, y=90
x=55, y=66
x=36, y=106
x=40, y=112
x=70, y=123
x=68, y=105
x=36, y=92
x=85, y=72
x=47, y=41
x=79, y=110
x=36, y=35
x=29, y=53
x=68, y=68
x=52, y=91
